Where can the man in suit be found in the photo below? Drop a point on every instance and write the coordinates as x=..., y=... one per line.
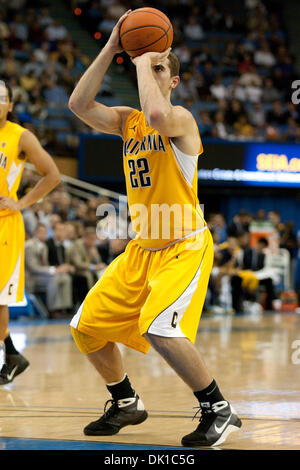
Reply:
x=56, y=249
x=55, y=281
x=85, y=257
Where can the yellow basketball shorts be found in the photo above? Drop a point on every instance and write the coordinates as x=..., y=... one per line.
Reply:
x=12, y=240
x=160, y=292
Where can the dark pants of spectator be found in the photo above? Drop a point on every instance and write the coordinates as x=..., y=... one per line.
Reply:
x=238, y=293
x=80, y=288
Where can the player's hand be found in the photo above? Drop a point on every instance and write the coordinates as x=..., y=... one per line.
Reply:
x=155, y=58
x=114, y=39
x=8, y=203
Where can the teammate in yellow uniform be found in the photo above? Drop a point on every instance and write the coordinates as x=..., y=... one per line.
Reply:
x=16, y=145
x=153, y=293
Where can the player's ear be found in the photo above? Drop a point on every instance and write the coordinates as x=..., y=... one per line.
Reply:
x=175, y=81
x=10, y=108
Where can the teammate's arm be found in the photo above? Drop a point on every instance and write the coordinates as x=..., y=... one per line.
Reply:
x=45, y=166
x=172, y=121
x=82, y=101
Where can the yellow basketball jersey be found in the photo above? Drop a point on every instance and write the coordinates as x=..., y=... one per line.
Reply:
x=11, y=167
x=161, y=184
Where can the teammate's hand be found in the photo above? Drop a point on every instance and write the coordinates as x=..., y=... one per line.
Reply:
x=114, y=39
x=8, y=203
x=154, y=57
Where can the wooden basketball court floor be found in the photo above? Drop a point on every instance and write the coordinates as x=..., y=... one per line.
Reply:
x=255, y=360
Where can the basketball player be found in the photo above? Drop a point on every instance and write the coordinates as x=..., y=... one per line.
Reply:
x=16, y=145
x=153, y=293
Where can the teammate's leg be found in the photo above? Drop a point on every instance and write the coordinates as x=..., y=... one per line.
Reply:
x=13, y=362
x=218, y=417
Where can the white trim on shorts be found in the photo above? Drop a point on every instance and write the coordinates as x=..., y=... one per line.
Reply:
x=75, y=320
x=162, y=325
x=191, y=234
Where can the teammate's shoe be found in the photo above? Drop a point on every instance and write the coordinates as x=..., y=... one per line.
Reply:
x=216, y=423
x=121, y=413
x=15, y=364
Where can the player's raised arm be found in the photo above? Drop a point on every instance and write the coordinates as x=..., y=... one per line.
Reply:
x=155, y=84
x=82, y=101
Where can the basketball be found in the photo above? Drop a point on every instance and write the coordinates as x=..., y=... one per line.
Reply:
x=146, y=30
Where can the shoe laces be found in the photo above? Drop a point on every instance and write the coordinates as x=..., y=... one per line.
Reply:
x=112, y=410
x=204, y=412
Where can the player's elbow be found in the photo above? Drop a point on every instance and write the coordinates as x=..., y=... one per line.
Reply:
x=157, y=119
x=55, y=177
x=73, y=105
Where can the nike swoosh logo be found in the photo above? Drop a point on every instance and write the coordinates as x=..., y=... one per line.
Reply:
x=221, y=429
x=11, y=375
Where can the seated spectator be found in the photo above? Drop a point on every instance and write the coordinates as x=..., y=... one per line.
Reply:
x=253, y=93
x=56, y=31
x=56, y=249
x=233, y=112
x=239, y=224
x=219, y=130
x=56, y=94
x=85, y=257
x=263, y=56
x=236, y=91
x=186, y=89
x=257, y=115
x=44, y=17
x=217, y=89
x=242, y=127
x=70, y=234
x=270, y=93
x=55, y=282
x=278, y=116
x=250, y=274
x=193, y=30
x=218, y=224
x=250, y=76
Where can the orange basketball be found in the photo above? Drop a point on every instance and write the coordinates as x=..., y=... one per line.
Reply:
x=146, y=30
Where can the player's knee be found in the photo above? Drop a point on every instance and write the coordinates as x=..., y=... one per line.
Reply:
x=160, y=343
x=85, y=343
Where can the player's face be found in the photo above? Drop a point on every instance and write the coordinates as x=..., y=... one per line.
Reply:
x=162, y=74
x=5, y=105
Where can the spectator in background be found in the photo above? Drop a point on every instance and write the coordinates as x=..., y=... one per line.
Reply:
x=270, y=93
x=234, y=112
x=193, y=30
x=85, y=257
x=186, y=88
x=218, y=89
x=275, y=218
x=239, y=224
x=219, y=128
x=44, y=18
x=56, y=31
x=263, y=56
x=257, y=115
x=55, y=282
x=218, y=224
x=278, y=116
x=242, y=128
x=56, y=249
x=55, y=94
